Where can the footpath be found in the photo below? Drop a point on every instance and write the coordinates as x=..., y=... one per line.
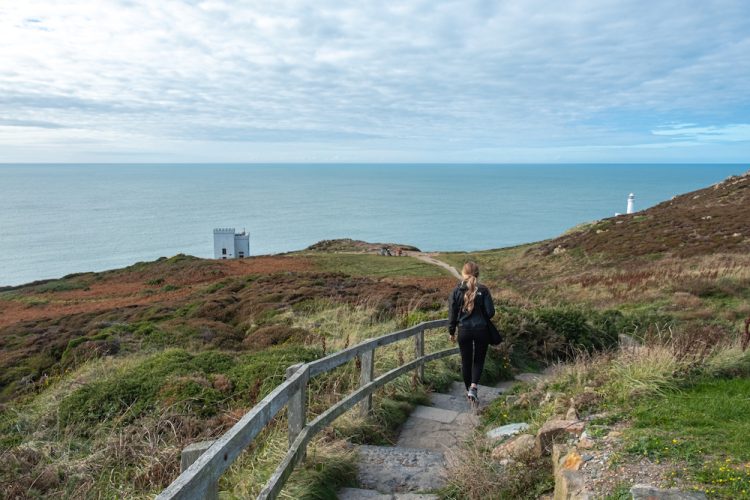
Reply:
x=416, y=465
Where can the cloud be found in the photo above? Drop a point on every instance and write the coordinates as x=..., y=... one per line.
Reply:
x=418, y=80
x=9, y=122
x=728, y=133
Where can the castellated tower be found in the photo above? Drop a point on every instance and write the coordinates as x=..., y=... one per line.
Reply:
x=231, y=245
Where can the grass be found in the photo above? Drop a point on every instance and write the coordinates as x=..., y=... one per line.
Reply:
x=681, y=399
x=708, y=418
x=181, y=380
x=376, y=265
x=472, y=474
x=187, y=365
x=694, y=288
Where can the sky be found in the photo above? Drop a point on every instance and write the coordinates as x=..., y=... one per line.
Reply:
x=366, y=81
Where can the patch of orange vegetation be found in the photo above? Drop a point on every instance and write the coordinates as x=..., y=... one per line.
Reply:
x=120, y=289
x=267, y=265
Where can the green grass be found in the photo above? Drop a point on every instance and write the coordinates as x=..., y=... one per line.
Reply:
x=61, y=286
x=709, y=418
x=705, y=426
x=376, y=265
x=178, y=379
x=621, y=492
x=493, y=263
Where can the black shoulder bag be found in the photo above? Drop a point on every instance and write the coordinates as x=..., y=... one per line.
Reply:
x=495, y=337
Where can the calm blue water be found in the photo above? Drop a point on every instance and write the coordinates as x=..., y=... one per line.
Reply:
x=60, y=219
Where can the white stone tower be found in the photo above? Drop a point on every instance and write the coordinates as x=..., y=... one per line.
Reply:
x=631, y=198
x=231, y=245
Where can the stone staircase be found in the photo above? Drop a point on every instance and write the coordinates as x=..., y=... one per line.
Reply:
x=416, y=465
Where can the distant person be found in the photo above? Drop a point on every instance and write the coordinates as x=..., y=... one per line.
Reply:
x=470, y=308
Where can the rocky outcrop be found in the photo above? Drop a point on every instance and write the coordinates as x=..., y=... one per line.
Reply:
x=506, y=430
x=646, y=492
x=519, y=446
x=555, y=429
x=569, y=483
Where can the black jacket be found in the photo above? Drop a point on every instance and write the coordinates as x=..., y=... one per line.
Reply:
x=458, y=317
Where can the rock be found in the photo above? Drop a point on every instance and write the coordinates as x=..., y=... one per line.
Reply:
x=586, y=401
x=646, y=492
x=520, y=445
x=572, y=414
x=569, y=483
x=394, y=468
x=558, y=250
x=506, y=430
x=585, y=443
x=361, y=494
x=522, y=401
x=554, y=429
x=570, y=486
x=511, y=400
x=572, y=461
x=614, y=435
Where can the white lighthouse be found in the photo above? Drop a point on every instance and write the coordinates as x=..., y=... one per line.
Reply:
x=631, y=197
x=231, y=245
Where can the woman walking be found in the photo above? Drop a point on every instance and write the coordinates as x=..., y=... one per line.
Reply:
x=470, y=308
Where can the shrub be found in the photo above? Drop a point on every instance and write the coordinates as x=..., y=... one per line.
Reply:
x=191, y=394
x=178, y=378
x=255, y=375
x=61, y=286
x=266, y=336
x=542, y=335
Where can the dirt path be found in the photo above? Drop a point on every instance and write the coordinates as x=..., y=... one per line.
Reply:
x=430, y=259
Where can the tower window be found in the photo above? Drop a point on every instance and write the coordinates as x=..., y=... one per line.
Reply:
x=223, y=251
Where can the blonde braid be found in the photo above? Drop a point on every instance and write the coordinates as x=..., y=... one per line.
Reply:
x=470, y=274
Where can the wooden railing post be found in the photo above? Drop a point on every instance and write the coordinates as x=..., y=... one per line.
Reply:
x=367, y=360
x=419, y=352
x=296, y=412
x=190, y=455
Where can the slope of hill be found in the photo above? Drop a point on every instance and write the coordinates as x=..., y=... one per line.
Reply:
x=104, y=377
x=710, y=220
x=687, y=258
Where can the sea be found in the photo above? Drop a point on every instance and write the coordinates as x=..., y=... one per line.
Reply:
x=57, y=219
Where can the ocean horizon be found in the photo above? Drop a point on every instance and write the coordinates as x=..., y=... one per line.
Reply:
x=58, y=219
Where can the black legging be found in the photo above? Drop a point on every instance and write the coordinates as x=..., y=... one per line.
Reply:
x=473, y=345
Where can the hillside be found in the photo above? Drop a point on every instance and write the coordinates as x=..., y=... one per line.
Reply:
x=687, y=258
x=105, y=377
x=703, y=222
x=47, y=328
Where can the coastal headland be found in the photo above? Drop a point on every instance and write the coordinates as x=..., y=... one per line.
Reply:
x=106, y=376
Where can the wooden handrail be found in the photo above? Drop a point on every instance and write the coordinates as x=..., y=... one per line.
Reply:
x=200, y=478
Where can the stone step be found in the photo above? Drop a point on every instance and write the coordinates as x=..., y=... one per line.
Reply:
x=438, y=434
x=360, y=494
x=397, y=469
x=487, y=394
x=449, y=402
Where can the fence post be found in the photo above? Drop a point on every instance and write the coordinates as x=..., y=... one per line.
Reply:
x=367, y=360
x=419, y=352
x=190, y=455
x=296, y=413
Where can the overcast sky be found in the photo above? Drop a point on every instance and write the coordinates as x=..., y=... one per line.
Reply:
x=407, y=81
